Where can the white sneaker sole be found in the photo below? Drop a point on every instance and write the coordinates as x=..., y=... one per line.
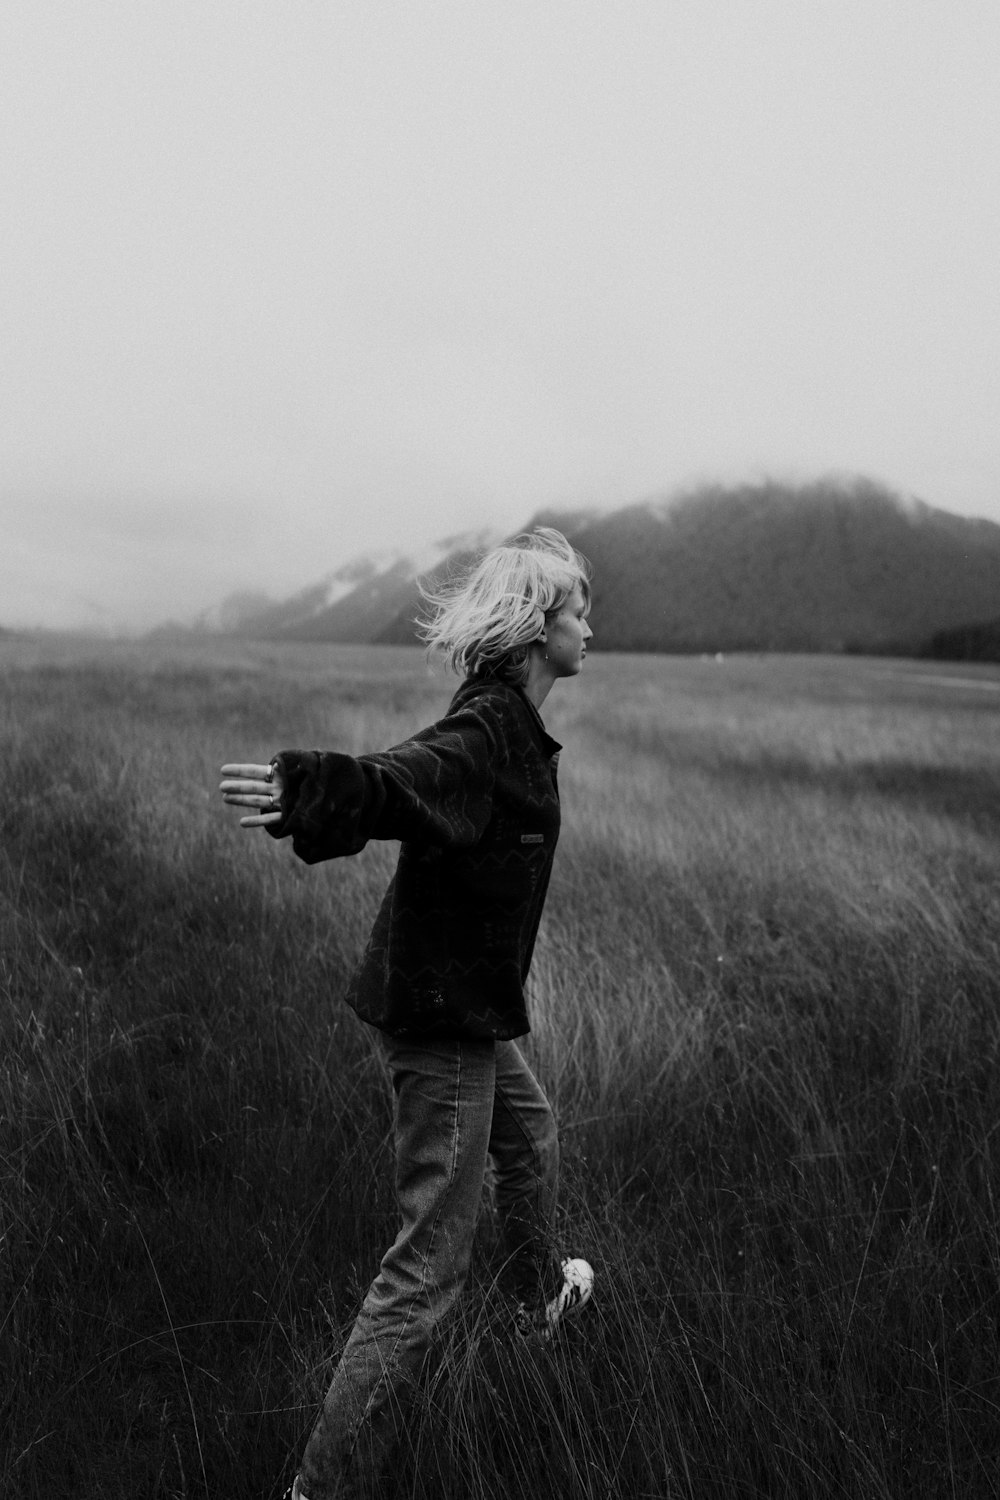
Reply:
x=575, y=1293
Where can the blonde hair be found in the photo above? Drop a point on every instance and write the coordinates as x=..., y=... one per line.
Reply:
x=486, y=620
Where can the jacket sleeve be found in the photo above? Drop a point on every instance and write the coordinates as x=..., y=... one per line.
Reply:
x=435, y=788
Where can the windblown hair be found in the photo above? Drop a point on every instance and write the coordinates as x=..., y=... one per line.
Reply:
x=486, y=620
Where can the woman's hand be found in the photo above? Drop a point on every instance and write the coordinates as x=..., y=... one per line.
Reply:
x=260, y=787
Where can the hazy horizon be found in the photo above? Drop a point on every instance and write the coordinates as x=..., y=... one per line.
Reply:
x=282, y=287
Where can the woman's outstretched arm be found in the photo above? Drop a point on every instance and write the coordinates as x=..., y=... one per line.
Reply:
x=436, y=787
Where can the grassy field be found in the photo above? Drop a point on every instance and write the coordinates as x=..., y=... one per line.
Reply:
x=766, y=1001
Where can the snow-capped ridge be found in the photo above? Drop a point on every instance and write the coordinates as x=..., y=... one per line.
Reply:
x=834, y=564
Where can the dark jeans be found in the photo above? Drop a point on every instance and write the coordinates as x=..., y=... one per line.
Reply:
x=456, y=1104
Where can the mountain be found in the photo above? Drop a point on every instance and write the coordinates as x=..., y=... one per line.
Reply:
x=966, y=643
x=831, y=566
x=361, y=601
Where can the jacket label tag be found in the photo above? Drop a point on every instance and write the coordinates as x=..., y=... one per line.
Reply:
x=532, y=838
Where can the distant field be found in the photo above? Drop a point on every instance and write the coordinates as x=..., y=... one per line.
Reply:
x=766, y=1007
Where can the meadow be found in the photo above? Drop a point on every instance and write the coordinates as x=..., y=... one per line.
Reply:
x=765, y=1006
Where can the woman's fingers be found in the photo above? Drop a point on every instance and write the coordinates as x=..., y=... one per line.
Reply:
x=267, y=800
x=260, y=820
x=247, y=773
x=257, y=787
x=256, y=780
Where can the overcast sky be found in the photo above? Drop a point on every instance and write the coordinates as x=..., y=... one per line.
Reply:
x=284, y=281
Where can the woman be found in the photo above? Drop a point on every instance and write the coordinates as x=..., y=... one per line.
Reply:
x=475, y=804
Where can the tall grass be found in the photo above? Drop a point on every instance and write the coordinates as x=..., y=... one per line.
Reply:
x=765, y=1004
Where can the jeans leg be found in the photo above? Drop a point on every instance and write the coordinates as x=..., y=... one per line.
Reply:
x=443, y=1109
x=524, y=1145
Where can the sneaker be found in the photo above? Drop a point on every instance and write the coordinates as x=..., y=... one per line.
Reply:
x=538, y=1324
x=578, y=1284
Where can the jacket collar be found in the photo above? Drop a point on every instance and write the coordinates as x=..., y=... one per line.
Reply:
x=481, y=682
x=552, y=747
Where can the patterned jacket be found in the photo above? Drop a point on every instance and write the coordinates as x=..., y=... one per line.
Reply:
x=475, y=803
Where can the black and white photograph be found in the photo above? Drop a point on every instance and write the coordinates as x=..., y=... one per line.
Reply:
x=500, y=748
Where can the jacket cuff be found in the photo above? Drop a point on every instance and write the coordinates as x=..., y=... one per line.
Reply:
x=322, y=804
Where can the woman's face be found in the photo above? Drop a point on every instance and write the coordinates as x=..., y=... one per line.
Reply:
x=566, y=636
